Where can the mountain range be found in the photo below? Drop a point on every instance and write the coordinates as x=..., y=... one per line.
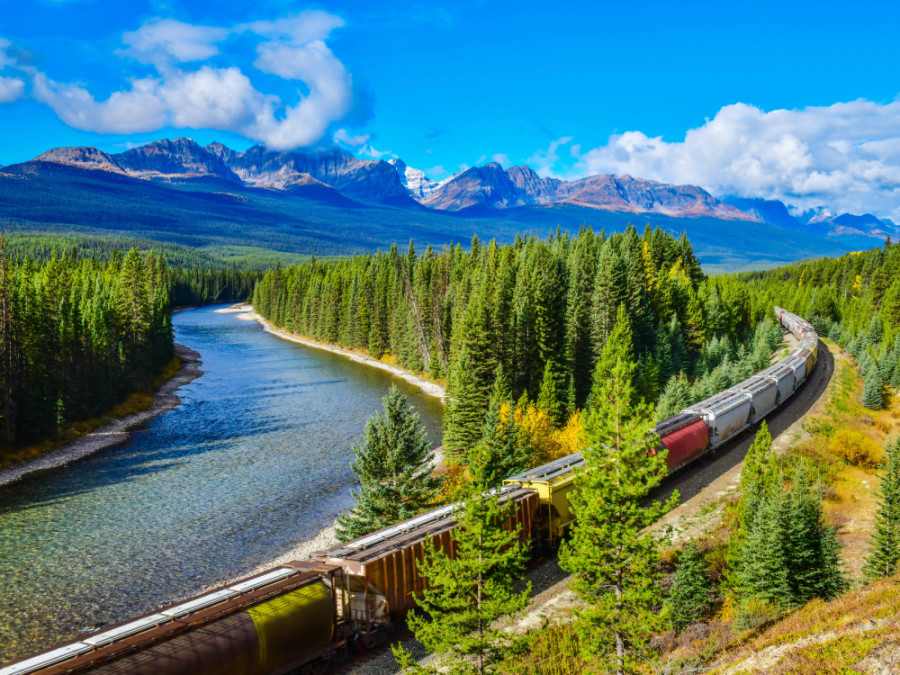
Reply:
x=327, y=200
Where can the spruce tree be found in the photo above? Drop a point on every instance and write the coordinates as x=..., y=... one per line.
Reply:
x=610, y=555
x=884, y=556
x=687, y=598
x=464, y=415
x=469, y=589
x=811, y=548
x=502, y=450
x=872, y=397
x=394, y=467
x=618, y=350
x=675, y=397
x=762, y=571
x=552, y=397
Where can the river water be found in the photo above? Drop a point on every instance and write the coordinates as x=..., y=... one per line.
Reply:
x=254, y=461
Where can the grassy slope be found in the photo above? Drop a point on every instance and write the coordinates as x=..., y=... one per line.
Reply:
x=213, y=213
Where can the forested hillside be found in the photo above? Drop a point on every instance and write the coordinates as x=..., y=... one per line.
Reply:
x=78, y=335
x=854, y=300
x=75, y=337
x=533, y=316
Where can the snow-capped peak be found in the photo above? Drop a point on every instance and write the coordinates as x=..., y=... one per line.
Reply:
x=415, y=181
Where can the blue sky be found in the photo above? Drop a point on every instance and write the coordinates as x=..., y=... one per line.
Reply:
x=790, y=100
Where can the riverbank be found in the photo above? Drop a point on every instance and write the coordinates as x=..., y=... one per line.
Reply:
x=116, y=431
x=326, y=537
x=246, y=312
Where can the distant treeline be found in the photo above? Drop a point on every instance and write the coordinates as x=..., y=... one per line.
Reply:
x=853, y=300
x=534, y=315
x=78, y=335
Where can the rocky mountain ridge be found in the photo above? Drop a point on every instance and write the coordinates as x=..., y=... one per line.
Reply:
x=335, y=175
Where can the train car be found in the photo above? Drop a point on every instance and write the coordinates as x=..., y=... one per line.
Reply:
x=798, y=366
x=384, y=564
x=726, y=415
x=763, y=394
x=283, y=620
x=685, y=436
x=783, y=377
x=552, y=483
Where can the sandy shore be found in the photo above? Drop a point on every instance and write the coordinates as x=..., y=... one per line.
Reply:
x=430, y=388
x=326, y=538
x=117, y=431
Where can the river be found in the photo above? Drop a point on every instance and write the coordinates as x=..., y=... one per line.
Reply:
x=254, y=461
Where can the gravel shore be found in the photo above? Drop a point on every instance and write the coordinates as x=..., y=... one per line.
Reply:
x=117, y=431
x=429, y=388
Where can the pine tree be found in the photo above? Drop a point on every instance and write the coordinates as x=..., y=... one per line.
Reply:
x=760, y=475
x=469, y=589
x=762, y=571
x=811, y=548
x=617, y=352
x=552, y=397
x=687, y=598
x=393, y=464
x=611, y=557
x=872, y=397
x=502, y=451
x=465, y=413
x=675, y=398
x=884, y=556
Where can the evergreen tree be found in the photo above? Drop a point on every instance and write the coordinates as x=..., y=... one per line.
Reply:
x=675, y=398
x=469, y=587
x=611, y=557
x=687, y=598
x=393, y=464
x=464, y=414
x=872, y=396
x=760, y=475
x=762, y=571
x=502, y=451
x=812, y=552
x=617, y=352
x=552, y=398
x=884, y=556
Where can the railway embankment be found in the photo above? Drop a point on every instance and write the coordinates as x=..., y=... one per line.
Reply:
x=427, y=386
x=114, y=431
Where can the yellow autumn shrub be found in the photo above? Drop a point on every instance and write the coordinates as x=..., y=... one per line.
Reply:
x=855, y=448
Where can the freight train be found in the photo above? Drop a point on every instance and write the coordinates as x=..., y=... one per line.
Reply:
x=302, y=616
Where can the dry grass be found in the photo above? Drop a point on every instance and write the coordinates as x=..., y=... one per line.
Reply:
x=847, y=444
x=822, y=637
x=133, y=403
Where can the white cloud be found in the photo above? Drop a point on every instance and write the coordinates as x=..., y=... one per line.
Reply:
x=11, y=89
x=544, y=162
x=846, y=155
x=502, y=159
x=5, y=58
x=343, y=136
x=291, y=48
x=161, y=41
